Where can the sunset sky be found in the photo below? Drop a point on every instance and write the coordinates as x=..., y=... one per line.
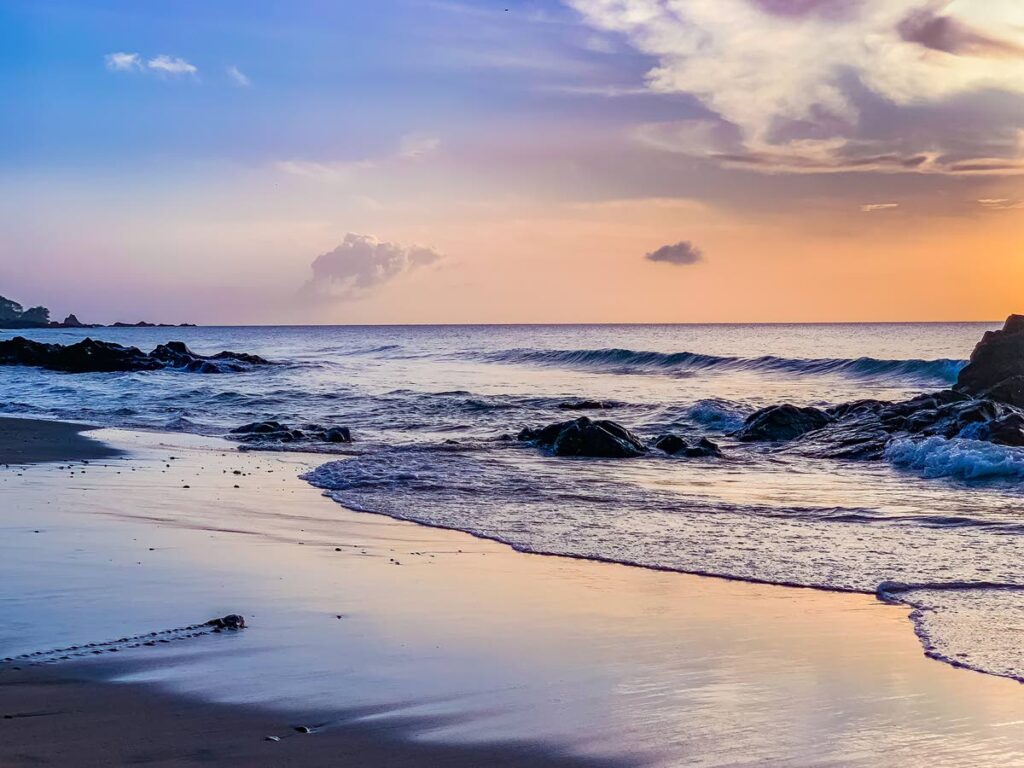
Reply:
x=514, y=161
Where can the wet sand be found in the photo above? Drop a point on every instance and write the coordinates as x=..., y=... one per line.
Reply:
x=54, y=716
x=30, y=441
x=414, y=646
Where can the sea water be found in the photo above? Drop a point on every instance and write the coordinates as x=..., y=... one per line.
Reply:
x=936, y=524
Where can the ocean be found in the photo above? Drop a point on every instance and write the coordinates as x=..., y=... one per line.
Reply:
x=434, y=411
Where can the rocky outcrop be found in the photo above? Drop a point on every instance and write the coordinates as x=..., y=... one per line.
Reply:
x=90, y=356
x=996, y=367
x=777, y=423
x=586, y=437
x=276, y=432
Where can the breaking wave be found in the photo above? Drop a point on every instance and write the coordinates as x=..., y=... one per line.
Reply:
x=626, y=361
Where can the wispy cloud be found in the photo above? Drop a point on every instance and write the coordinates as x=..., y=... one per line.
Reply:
x=679, y=254
x=122, y=61
x=415, y=146
x=362, y=263
x=411, y=147
x=1000, y=204
x=238, y=77
x=171, y=65
x=872, y=207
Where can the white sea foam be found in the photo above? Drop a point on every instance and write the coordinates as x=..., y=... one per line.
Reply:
x=959, y=458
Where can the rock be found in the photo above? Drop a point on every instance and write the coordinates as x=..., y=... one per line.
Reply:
x=586, y=405
x=671, y=444
x=72, y=322
x=337, y=435
x=704, y=447
x=777, y=423
x=997, y=358
x=260, y=428
x=584, y=437
x=675, y=446
x=90, y=356
x=231, y=621
x=269, y=431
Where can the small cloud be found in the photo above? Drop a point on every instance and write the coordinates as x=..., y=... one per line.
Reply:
x=362, y=263
x=171, y=65
x=238, y=77
x=122, y=61
x=415, y=146
x=411, y=147
x=872, y=207
x=680, y=254
x=340, y=171
x=1000, y=204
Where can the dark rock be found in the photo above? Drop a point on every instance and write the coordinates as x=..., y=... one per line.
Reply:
x=704, y=447
x=671, y=444
x=584, y=437
x=338, y=435
x=586, y=405
x=89, y=356
x=72, y=322
x=231, y=621
x=998, y=357
x=83, y=357
x=260, y=428
x=781, y=422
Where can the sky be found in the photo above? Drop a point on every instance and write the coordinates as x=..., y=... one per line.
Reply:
x=451, y=161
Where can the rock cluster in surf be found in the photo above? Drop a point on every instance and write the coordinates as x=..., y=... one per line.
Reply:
x=987, y=404
x=266, y=432
x=606, y=439
x=90, y=356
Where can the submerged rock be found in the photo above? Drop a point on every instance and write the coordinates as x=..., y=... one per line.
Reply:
x=777, y=423
x=586, y=405
x=586, y=437
x=675, y=445
x=91, y=356
x=996, y=367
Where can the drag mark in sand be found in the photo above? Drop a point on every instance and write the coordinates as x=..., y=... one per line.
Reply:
x=232, y=622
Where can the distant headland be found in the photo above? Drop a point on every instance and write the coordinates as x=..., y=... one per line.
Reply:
x=14, y=315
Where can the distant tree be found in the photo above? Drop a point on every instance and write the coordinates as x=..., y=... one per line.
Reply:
x=39, y=315
x=10, y=310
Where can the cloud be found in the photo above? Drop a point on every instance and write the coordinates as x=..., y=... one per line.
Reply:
x=680, y=254
x=1000, y=204
x=872, y=207
x=121, y=61
x=362, y=263
x=171, y=65
x=238, y=77
x=796, y=84
x=415, y=146
x=411, y=147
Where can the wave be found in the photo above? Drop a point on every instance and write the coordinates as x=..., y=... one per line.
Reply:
x=627, y=361
x=957, y=458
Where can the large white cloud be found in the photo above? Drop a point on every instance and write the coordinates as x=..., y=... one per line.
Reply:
x=788, y=77
x=361, y=263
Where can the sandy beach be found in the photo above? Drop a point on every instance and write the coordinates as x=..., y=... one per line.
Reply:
x=397, y=644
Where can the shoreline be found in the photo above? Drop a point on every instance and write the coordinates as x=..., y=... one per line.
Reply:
x=683, y=636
